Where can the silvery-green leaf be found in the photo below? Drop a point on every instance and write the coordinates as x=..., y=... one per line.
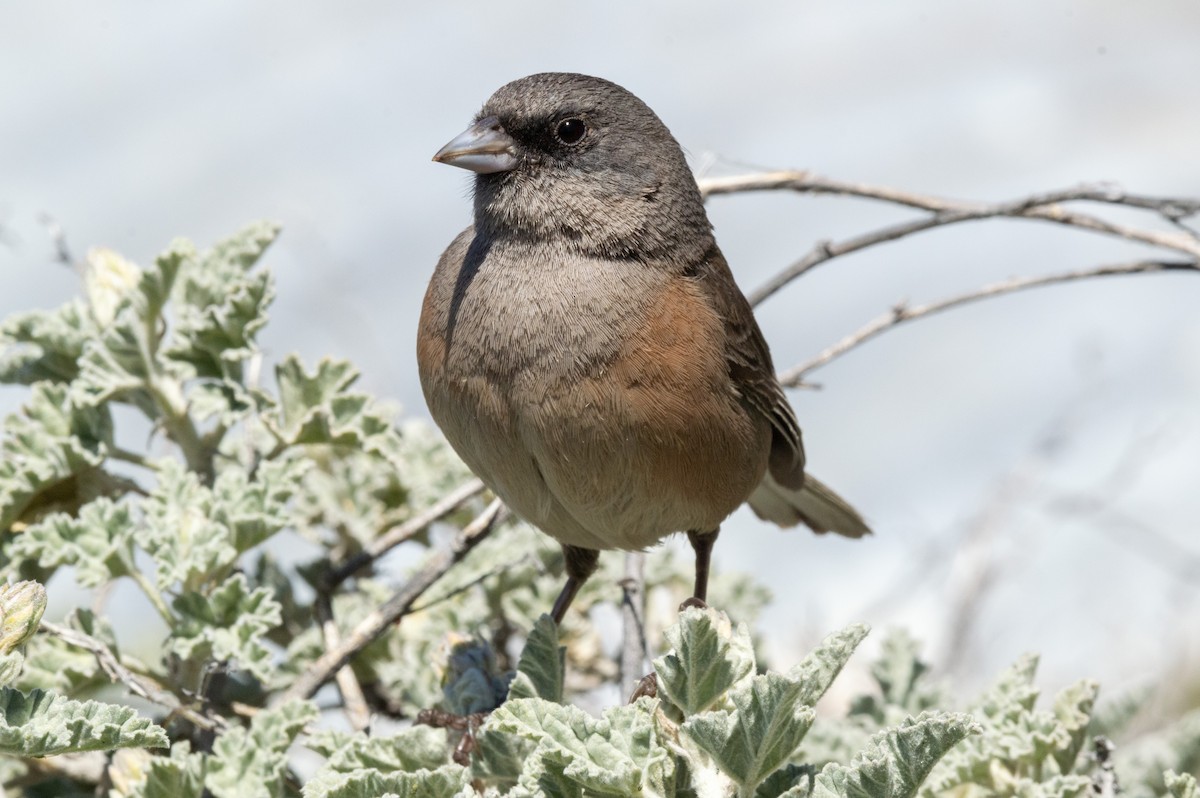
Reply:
x=412, y=749
x=444, y=782
x=43, y=724
x=903, y=684
x=45, y=345
x=256, y=509
x=98, y=542
x=207, y=275
x=1073, y=712
x=216, y=339
x=187, y=543
x=790, y=781
x=50, y=455
x=759, y=735
x=228, y=624
x=540, y=668
x=122, y=362
x=500, y=760
x=252, y=763
x=619, y=754
x=707, y=658
x=896, y=761
x=817, y=671
x=11, y=663
x=181, y=775
x=1013, y=693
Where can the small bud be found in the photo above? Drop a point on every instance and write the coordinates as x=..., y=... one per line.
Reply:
x=107, y=278
x=21, y=608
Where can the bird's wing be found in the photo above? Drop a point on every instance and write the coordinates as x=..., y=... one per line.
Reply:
x=751, y=370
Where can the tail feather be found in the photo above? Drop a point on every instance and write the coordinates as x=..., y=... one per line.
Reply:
x=814, y=505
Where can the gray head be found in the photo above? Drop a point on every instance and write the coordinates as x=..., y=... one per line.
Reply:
x=581, y=161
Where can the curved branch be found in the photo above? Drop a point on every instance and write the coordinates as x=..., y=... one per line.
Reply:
x=902, y=312
x=1042, y=207
x=400, y=604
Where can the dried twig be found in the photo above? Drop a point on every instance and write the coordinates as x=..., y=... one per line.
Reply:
x=396, y=607
x=633, y=611
x=1043, y=207
x=354, y=703
x=413, y=526
x=902, y=313
x=138, y=685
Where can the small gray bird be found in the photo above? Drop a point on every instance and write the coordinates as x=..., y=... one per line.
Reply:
x=583, y=344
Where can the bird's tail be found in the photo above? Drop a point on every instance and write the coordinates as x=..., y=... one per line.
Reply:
x=814, y=505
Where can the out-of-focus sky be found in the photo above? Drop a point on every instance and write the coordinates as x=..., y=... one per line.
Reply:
x=133, y=123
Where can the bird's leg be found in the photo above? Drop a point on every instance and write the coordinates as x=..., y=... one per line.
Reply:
x=580, y=564
x=702, y=542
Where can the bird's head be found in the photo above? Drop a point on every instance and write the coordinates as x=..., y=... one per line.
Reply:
x=581, y=161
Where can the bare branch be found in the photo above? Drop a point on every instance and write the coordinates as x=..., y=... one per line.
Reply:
x=633, y=612
x=138, y=685
x=413, y=526
x=901, y=313
x=1043, y=207
x=354, y=703
x=396, y=607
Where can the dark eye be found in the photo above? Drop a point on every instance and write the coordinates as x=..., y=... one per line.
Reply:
x=570, y=131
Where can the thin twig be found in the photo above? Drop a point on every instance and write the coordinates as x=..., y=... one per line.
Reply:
x=58, y=237
x=354, y=703
x=903, y=313
x=396, y=607
x=413, y=526
x=138, y=685
x=943, y=211
x=633, y=612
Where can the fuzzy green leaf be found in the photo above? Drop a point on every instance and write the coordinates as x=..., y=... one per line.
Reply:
x=182, y=533
x=444, y=782
x=45, y=344
x=1073, y=712
x=817, y=671
x=54, y=665
x=99, y=542
x=43, y=724
x=181, y=775
x=317, y=408
x=759, y=735
x=252, y=763
x=216, y=339
x=412, y=749
x=707, y=658
x=50, y=455
x=896, y=761
x=540, y=669
x=228, y=624
x=122, y=363
x=620, y=754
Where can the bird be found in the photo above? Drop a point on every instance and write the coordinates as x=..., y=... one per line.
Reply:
x=583, y=344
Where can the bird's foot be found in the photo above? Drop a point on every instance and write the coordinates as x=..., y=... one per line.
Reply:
x=693, y=602
x=646, y=688
x=467, y=724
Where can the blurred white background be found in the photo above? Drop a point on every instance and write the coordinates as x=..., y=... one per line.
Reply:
x=960, y=436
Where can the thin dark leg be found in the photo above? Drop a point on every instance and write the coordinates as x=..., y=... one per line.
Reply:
x=702, y=542
x=581, y=563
